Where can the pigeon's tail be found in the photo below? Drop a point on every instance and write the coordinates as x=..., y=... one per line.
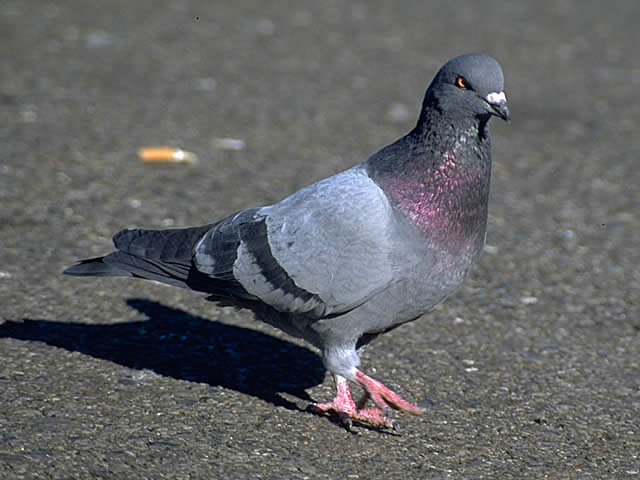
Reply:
x=160, y=255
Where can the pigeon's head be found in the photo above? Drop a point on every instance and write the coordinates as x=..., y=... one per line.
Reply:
x=470, y=84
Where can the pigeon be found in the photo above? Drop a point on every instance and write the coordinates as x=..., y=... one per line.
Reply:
x=355, y=255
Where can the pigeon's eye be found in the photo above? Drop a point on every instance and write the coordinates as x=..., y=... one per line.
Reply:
x=461, y=82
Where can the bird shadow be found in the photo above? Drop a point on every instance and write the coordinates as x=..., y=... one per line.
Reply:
x=174, y=343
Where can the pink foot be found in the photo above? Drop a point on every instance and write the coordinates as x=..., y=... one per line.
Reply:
x=347, y=410
x=383, y=398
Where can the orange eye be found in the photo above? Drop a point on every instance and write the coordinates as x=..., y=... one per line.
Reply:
x=461, y=82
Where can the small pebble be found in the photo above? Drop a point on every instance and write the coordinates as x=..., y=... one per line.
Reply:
x=228, y=143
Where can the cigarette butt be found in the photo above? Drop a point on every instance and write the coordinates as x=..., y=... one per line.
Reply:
x=166, y=155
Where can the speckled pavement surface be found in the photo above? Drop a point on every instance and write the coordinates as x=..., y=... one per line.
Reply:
x=531, y=370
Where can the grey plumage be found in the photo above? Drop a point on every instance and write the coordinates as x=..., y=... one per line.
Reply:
x=357, y=254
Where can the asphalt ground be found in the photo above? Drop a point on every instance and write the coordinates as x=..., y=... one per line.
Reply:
x=531, y=370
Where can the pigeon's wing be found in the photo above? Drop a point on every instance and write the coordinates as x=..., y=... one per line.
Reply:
x=324, y=250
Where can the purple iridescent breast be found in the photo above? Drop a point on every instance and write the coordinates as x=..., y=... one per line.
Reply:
x=447, y=203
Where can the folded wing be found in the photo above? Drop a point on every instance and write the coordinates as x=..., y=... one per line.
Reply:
x=321, y=251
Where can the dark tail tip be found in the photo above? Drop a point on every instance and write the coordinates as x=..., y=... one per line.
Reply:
x=94, y=267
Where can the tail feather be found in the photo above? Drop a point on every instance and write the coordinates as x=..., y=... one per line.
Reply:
x=174, y=245
x=161, y=255
x=95, y=267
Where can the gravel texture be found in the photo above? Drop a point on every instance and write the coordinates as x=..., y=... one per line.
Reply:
x=531, y=370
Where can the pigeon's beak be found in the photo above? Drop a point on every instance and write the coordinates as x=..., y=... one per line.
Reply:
x=498, y=103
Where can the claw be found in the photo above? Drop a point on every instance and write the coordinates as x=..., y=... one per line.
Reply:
x=345, y=420
x=395, y=425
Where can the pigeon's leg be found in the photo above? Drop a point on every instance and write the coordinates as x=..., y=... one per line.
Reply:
x=347, y=410
x=384, y=397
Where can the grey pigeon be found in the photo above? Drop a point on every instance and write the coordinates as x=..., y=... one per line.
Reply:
x=355, y=255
